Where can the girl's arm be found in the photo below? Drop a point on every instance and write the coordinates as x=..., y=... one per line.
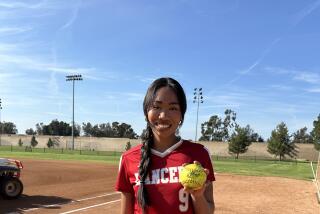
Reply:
x=126, y=203
x=202, y=199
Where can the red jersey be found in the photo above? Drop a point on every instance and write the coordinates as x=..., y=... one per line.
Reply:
x=165, y=192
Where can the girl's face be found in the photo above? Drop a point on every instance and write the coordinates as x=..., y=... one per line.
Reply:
x=164, y=114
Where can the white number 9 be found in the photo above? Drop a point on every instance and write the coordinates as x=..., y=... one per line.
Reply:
x=184, y=199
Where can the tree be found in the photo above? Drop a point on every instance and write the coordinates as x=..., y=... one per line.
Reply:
x=301, y=136
x=117, y=130
x=57, y=128
x=50, y=143
x=87, y=129
x=260, y=140
x=218, y=129
x=39, y=127
x=255, y=137
x=240, y=140
x=34, y=142
x=125, y=131
x=279, y=143
x=30, y=132
x=20, y=143
x=128, y=146
x=211, y=130
x=8, y=128
x=315, y=133
x=103, y=130
x=228, y=123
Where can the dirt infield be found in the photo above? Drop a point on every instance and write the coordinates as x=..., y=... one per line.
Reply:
x=75, y=187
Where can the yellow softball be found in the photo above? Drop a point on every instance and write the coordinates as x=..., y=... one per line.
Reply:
x=192, y=176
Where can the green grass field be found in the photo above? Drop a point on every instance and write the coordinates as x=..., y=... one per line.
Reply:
x=296, y=170
x=111, y=159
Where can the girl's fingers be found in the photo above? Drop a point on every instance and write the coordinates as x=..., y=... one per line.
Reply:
x=206, y=171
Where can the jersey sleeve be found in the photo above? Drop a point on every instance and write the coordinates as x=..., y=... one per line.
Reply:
x=208, y=165
x=123, y=183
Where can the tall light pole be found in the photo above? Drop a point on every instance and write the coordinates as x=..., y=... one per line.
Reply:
x=0, y=121
x=198, y=98
x=73, y=78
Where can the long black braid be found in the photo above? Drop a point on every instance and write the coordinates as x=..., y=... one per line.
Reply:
x=145, y=162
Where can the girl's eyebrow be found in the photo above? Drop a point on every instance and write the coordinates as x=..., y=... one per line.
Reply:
x=160, y=102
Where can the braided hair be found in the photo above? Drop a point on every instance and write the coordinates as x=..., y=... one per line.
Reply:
x=147, y=137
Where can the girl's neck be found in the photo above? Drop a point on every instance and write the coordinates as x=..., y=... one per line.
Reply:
x=162, y=144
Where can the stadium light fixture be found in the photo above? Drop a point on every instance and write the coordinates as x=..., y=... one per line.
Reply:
x=198, y=98
x=73, y=78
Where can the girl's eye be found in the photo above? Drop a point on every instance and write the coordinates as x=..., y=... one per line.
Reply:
x=174, y=109
x=155, y=107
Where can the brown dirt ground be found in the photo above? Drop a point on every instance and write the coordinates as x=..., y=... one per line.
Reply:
x=60, y=183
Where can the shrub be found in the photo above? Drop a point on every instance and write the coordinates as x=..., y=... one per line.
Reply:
x=50, y=143
x=20, y=143
x=128, y=146
x=34, y=142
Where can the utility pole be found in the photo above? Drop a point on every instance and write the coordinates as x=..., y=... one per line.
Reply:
x=198, y=98
x=73, y=78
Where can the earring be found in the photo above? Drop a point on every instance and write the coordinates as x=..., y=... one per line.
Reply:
x=178, y=131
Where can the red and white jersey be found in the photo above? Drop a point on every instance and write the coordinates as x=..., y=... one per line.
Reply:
x=165, y=193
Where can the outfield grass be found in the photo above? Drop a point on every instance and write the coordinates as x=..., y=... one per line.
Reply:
x=296, y=169
x=111, y=159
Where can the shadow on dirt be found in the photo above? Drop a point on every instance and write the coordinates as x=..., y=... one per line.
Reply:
x=26, y=202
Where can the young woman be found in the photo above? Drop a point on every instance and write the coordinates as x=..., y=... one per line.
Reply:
x=148, y=176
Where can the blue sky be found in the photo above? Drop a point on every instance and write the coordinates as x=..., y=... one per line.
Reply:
x=258, y=58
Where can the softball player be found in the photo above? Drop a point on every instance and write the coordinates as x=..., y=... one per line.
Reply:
x=148, y=176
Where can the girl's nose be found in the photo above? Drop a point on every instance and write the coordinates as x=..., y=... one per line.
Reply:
x=162, y=114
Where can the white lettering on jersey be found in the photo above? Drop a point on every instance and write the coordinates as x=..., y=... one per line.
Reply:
x=173, y=177
x=155, y=176
x=163, y=179
x=161, y=176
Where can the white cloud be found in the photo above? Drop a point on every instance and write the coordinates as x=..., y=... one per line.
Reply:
x=57, y=114
x=313, y=90
x=98, y=77
x=73, y=17
x=70, y=70
x=52, y=85
x=13, y=30
x=147, y=80
x=234, y=105
x=300, y=75
x=306, y=11
x=277, y=70
x=35, y=64
x=308, y=77
x=264, y=53
x=16, y=4
x=124, y=96
x=282, y=87
x=134, y=96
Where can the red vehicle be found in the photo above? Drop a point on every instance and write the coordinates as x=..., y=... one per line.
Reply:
x=10, y=185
